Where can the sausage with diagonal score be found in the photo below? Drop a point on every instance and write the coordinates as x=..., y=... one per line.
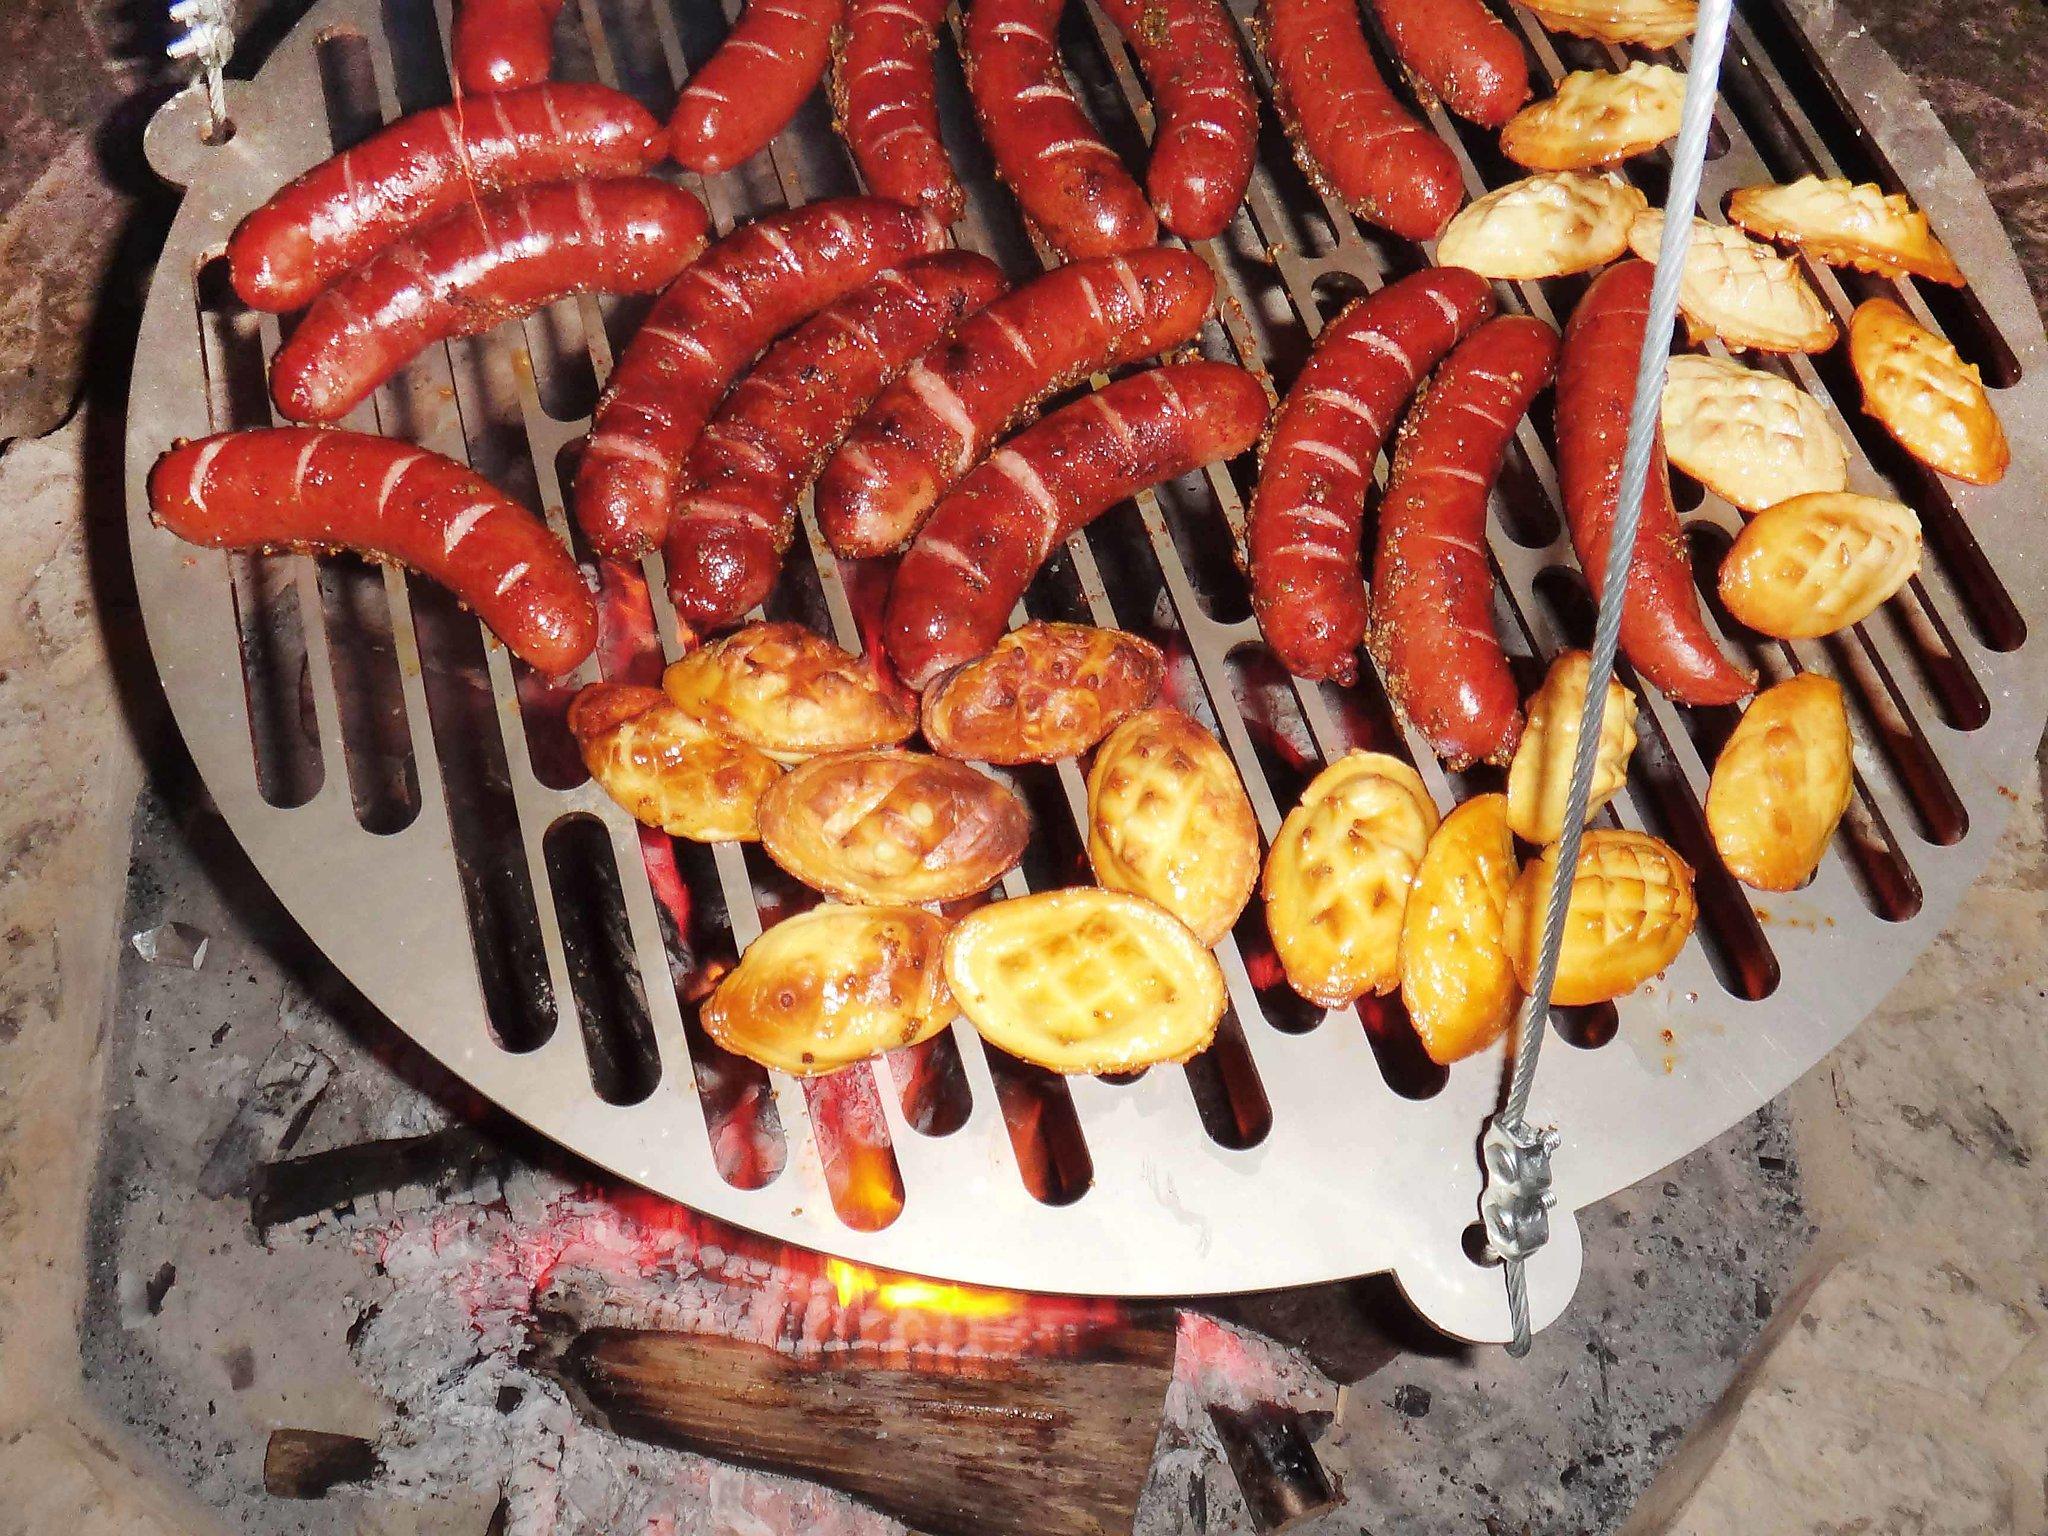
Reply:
x=748, y=90
x=885, y=102
x=1462, y=52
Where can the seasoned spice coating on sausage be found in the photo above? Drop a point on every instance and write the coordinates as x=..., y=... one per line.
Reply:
x=953, y=593
x=313, y=489
x=747, y=92
x=1309, y=508
x=500, y=45
x=1350, y=133
x=885, y=102
x=935, y=422
x=714, y=320
x=1432, y=588
x=477, y=265
x=765, y=445
x=1662, y=632
x=339, y=212
x=1462, y=52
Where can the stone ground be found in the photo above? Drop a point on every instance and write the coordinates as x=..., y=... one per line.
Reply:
x=1903, y=1380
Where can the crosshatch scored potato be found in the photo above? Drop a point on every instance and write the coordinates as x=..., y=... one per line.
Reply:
x=1337, y=880
x=1817, y=564
x=1540, y=777
x=1543, y=226
x=1652, y=23
x=788, y=691
x=1749, y=436
x=667, y=770
x=1046, y=691
x=1630, y=912
x=1456, y=978
x=1740, y=290
x=1782, y=783
x=1926, y=396
x=1847, y=225
x=1596, y=118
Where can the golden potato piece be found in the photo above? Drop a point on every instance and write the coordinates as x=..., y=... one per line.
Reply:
x=792, y=693
x=888, y=827
x=1747, y=435
x=832, y=986
x=1782, y=783
x=1168, y=820
x=1596, y=118
x=1740, y=289
x=1927, y=397
x=1848, y=225
x=666, y=769
x=1543, y=226
x=1540, y=777
x=1046, y=691
x=1337, y=879
x=1652, y=23
x=1456, y=978
x=1817, y=564
x=1085, y=981
x=1630, y=913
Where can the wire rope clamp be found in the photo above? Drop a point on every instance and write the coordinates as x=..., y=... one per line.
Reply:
x=1517, y=1199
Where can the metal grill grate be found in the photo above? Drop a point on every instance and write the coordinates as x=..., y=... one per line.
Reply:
x=411, y=794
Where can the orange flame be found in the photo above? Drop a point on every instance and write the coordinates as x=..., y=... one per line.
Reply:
x=907, y=1293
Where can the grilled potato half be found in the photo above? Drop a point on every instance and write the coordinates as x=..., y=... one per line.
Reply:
x=1596, y=118
x=1456, y=978
x=667, y=769
x=1630, y=913
x=787, y=691
x=890, y=828
x=1543, y=226
x=1337, y=880
x=1653, y=23
x=1085, y=980
x=1046, y=691
x=1168, y=820
x=1817, y=564
x=832, y=986
x=1540, y=777
x=1782, y=783
x=1749, y=436
x=1927, y=397
x=1740, y=289
x=1848, y=224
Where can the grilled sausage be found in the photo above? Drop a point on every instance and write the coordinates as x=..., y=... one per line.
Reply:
x=1349, y=132
x=747, y=92
x=309, y=489
x=935, y=422
x=953, y=593
x=1462, y=52
x=1045, y=148
x=1432, y=592
x=500, y=45
x=1208, y=115
x=885, y=101
x=481, y=263
x=1662, y=632
x=762, y=449
x=362, y=199
x=735, y=299
x=1310, y=503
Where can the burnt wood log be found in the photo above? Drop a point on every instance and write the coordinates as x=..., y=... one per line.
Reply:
x=307, y=1463
x=1030, y=1446
x=1275, y=1466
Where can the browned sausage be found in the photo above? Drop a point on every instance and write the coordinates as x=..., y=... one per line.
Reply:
x=1662, y=633
x=885, y=101
x=313, y=489
x=478, y=265
x=1309, y=508
x=953, y=593
x=1432, y=590
x=747, y=92
x=500, y=45
x=419, y=167
x=1462, y=52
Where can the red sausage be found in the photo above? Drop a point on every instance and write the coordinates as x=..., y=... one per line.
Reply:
x=343, y=209
x=953, y=593
x=885, y=101
x=765, y=445
x=1349, y=132
x=1310, y=503
x=935, y=422
x=1432, y=591
x=747, y=92
x=1045, y=148
x=477, y=265
x=1463, y=52
x=1208, y=115
x=500, y=45
x=312, y=489
x=1662, y=633
x=713, y=320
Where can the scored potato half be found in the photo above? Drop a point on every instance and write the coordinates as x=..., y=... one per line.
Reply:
x=1540, y=777
x=665, y=768
x=1927, y=397
x=1456, y=978
x=788, y=691
x=1740, y=289
x=889, y=828
x=1749, y=436
x=1085, y=980
x=1630, y=912
x=832, y=986
x=1168, y=820
x=1543, y=226
x=1337, y=880
x=1817, y=564
x=1847, y=224
x=1652, y=23
x=1046, y=691
x=1596, y=118
x=1782, y=783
